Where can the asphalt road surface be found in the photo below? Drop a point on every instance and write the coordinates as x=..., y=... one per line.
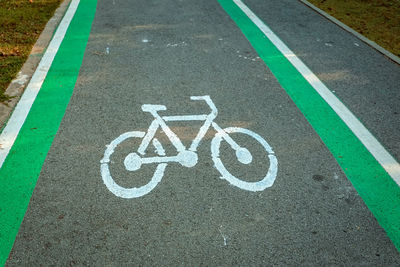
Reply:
x=163, y=52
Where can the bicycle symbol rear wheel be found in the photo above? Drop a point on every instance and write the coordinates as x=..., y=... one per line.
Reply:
x=265, y=182
x=110, y=182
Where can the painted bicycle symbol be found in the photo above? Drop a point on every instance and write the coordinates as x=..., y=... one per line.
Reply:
x=186, y=157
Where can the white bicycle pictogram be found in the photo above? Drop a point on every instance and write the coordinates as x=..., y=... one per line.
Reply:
x=186, y=157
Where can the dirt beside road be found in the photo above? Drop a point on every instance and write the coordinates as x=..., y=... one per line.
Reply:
x=378, y=20
x=21, y=22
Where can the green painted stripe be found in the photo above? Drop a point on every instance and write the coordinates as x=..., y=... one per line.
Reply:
x=21, y=169
x=378, y=190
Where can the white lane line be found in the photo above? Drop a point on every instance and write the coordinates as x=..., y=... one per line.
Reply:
x=21, y=111
x=386, y=160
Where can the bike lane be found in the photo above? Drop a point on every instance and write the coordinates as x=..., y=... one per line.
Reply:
x=145, y=52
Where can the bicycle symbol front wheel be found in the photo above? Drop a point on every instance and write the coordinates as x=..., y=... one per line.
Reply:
x=110, y=182
x=268, y=179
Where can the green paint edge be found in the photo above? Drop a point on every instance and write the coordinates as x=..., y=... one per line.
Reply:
x=377, y=189
x=21, y=169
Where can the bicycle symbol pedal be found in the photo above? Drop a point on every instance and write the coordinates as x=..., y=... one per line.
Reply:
x=186, y=157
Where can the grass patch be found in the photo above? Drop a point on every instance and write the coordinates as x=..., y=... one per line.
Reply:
x=378, y=20
x=21, y=22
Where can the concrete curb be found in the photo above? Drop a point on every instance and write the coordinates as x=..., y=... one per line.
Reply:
x=350, y=30
x=18, y=85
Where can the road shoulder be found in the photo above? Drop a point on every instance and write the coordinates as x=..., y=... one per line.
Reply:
x=18, y=85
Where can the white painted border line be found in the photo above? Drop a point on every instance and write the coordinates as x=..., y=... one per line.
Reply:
x=17, y=119
x=384, y=158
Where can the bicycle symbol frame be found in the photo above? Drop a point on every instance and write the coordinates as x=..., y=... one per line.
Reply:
x=186, y=157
